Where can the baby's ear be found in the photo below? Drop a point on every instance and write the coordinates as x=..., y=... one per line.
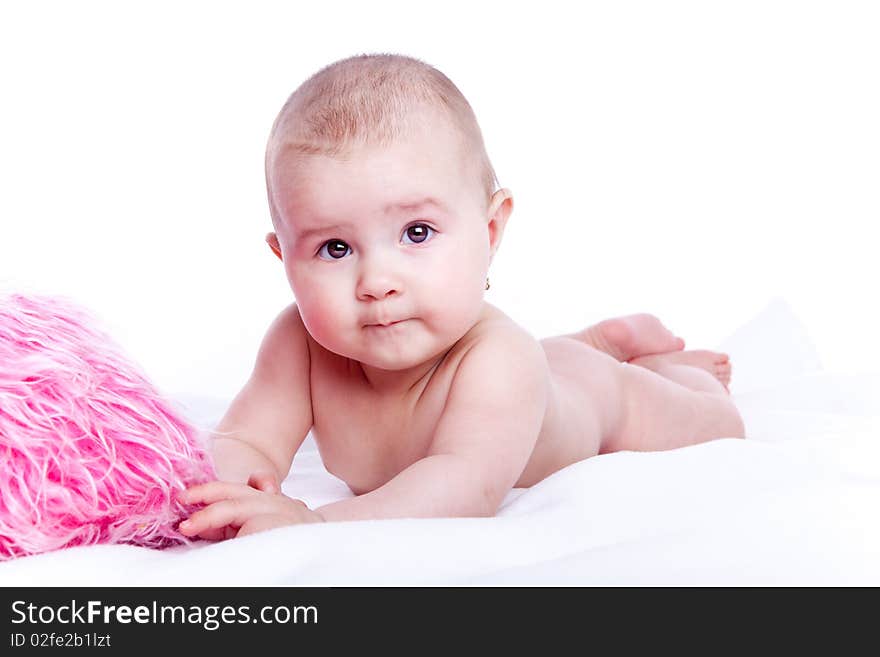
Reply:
x=272, y=241
x=500, y=207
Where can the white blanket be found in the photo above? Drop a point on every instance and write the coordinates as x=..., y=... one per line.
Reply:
x=794, y=504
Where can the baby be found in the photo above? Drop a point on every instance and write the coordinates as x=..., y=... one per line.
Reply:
x=424, y=398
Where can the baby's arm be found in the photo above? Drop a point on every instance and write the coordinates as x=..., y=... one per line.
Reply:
x=482, y=442
x=481, y=445
x=271, y=416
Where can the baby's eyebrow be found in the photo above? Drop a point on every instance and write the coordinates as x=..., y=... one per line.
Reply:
x=305, y=234
x=410, y=206
x=415, y=205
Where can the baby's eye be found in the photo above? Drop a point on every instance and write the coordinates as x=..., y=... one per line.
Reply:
x=418, y=233
x=336, y=249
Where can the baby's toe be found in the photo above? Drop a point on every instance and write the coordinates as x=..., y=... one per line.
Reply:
x=722, y=372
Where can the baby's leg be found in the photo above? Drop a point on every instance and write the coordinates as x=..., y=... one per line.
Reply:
x=675, y=406
x=609, y=406
x=631, y=336
x=643, y=340
x=697, y=369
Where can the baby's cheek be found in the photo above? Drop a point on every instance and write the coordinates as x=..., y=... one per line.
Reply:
x=321, y=322
x=462, y=261
x=455, y=302
x=320, y=314
x=469, y=274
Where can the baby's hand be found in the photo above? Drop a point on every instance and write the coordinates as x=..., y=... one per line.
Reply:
x=237, y=509
x=265, y=481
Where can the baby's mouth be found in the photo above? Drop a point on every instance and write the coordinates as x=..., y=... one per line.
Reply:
x=387, y=324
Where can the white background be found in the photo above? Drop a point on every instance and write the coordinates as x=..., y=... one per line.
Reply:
x=690, y=159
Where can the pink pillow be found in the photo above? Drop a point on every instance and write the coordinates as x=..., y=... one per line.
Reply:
x=90, y=452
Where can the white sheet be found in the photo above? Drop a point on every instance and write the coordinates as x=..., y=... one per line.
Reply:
x=794, y=504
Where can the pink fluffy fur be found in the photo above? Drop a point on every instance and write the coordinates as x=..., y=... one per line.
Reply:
x=90, y=452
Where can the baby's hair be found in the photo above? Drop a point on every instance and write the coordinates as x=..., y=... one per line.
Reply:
x=371, y=99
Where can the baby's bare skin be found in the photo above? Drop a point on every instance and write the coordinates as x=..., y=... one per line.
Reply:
x=424, y=398
x=594, y=402
x=366, y=439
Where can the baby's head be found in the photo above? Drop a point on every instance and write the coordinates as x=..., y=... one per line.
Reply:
x=385, y=208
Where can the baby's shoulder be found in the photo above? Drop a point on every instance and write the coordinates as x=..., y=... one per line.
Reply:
x=494, y=324
x=284, y=346
x=501, y=362
x=496, y=336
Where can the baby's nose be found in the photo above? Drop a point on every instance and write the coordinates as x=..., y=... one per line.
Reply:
x=378, y=286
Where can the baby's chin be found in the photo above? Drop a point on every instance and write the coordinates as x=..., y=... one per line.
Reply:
x=393, y=348
x=393, y=361
x=400, y=355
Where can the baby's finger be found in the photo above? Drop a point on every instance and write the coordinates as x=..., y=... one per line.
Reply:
x=214, y=491
x=217, y=516
x=264, y=481
x=262, y=523
x=215, y=534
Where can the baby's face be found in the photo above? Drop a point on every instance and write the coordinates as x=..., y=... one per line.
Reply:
x=394, y=234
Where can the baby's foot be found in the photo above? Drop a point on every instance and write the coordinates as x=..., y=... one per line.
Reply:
x=715, y=363
x=632, y=336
